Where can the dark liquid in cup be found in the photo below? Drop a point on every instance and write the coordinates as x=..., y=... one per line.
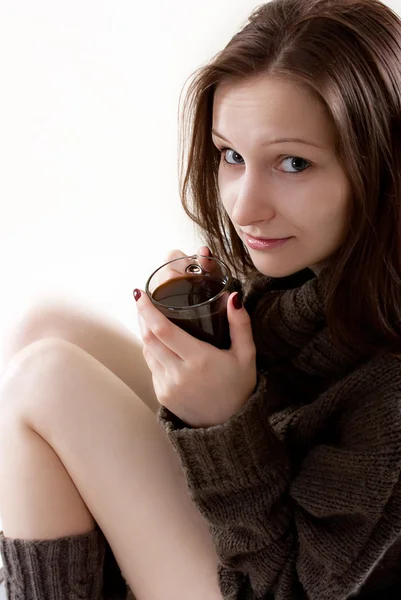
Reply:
x=208, y=323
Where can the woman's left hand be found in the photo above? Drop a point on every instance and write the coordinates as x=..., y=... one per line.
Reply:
x=196, y=381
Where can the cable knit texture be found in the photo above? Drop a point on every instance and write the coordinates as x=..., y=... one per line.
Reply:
x=301, y=489
x=79, y=567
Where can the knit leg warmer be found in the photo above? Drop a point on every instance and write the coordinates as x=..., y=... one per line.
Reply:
x=66, y=568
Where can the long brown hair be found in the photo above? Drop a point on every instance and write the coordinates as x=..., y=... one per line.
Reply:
x=349, y=53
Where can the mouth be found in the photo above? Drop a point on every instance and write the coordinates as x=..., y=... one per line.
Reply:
x=265, y=243
x=263, y=239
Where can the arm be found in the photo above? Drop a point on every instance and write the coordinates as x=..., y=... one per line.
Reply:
x=314, y=532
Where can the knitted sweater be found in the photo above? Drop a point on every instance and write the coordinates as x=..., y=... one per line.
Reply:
x=301, y=489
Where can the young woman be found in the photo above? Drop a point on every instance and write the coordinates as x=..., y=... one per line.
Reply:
x=272, y=469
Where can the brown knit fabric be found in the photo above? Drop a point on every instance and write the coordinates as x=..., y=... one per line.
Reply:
x=302, y=489
x=79, y=567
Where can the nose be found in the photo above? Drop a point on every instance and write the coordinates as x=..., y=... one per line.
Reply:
x=253, y=202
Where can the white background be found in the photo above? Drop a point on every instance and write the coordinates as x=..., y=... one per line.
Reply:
x=89, y=94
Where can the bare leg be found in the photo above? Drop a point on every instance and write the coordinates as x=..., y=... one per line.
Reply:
x=125, y=471
x=104, y=338
x=38, y=499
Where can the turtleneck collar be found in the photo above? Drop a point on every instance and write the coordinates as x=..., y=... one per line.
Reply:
x=289, y=325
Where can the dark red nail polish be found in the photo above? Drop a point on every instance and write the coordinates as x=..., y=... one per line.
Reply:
x=237, y=302
x=137, y=294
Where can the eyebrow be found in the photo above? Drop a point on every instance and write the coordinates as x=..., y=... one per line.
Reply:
x=277, y=141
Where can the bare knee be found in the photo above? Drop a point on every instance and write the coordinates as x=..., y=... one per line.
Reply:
x=45, y=318
x=49, y=505
x=105, y=339
x=19, y=377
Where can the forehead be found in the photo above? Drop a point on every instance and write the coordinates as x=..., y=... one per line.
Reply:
x=267, y=106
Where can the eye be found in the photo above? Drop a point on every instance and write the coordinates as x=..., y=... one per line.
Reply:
x=228, y=152
x=294, y=164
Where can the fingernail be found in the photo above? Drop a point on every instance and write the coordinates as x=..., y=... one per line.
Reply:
x=137, y=294
x=237, y=302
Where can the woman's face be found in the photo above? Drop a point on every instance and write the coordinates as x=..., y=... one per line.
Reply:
x=279, y=176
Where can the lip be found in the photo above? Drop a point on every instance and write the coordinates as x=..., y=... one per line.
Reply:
x=264, y=243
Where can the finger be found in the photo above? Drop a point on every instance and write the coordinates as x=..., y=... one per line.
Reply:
x=177, y=267
x=181, y=343
x=143, y=328
x=204, y=250
x=172, y=254
x=206, y=264
x=167, y=272
x=211, y=266
x=158, y=371
x=163, y=355
x=242, y=344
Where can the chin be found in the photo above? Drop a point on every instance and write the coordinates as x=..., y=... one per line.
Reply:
x=279, y=268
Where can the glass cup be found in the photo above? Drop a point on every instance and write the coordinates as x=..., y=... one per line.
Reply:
x=192, y=292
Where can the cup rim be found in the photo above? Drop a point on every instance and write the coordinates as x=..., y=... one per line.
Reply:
x=189, y=307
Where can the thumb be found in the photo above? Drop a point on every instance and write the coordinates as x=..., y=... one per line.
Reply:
x=240, y=326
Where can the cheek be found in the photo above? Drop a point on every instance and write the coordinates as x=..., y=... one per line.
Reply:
x=227, y=191
x=337, y=207
x=324, y=207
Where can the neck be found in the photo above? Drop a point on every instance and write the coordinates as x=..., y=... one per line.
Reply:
x=317, y=269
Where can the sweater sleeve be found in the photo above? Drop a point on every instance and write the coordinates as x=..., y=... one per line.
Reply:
x=311, y=532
